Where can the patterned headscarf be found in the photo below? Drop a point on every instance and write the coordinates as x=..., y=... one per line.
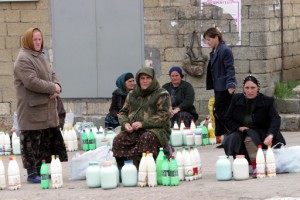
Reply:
x=27, y=42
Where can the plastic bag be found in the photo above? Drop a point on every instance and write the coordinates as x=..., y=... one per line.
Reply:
x=80, y=163
x=69, y=120
x=287, y=159
x=15, y=126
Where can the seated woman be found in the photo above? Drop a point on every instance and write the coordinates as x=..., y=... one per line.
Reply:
x=144, y=119
x=125, y=83
x=253, y=121
x=182, y=97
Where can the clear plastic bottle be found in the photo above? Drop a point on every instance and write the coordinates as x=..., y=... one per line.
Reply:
x=270, y=163
x=260, y=163
x=151, y=170
x=179, y=160
x=2, y=175
x=142, y=174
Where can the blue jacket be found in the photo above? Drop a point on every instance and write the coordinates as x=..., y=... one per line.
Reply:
x=220, y=69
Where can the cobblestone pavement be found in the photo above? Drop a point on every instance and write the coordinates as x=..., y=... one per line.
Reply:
x=284, y=186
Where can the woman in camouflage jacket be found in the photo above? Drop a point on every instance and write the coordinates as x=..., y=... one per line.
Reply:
x=144, y=119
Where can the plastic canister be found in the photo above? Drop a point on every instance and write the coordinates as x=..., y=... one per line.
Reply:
x=93, y=175
x=198, y=136
x=223, y=169
x=108, y=176
x=240, y=168
x=176, y=138
x=185, y=131
x=103, y=142
x=129, y=174
x=99, y=136
x=189, y=139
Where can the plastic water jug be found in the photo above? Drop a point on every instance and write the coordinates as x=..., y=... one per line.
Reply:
x=223, y=169
x=198, y=136
x=108, y=176
x=93, y=175
x=270, y=163
x=129, y=174
x=176, y=138
x=260, y=163
x=240, y=168
x=2, y=175
x=99, y=137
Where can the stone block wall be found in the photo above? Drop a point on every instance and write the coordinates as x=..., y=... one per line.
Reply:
x=168, y=26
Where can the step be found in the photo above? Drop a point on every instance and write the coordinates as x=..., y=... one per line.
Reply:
x=288, y=106
x=290, y=122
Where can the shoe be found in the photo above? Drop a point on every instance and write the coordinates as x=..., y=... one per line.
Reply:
x=37, y=179
x=220, y=146
x=254, y=174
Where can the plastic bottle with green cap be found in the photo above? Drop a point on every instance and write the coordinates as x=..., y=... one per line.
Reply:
x=159, y=161
x=45, y=182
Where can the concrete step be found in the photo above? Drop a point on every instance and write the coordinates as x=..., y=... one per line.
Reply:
x=290, y=122
x=288, y=106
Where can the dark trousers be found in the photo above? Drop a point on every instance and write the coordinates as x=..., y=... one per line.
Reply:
x=222, y=102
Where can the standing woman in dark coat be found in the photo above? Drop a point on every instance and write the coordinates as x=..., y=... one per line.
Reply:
x=37, y=89
x=253, y=121
x=220, y=77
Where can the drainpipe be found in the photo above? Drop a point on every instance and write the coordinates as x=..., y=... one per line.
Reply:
x=282, y=48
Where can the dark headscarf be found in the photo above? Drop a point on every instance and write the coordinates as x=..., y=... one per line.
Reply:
x=154, y=85
x=253, y=79
x=120, y=83
x=27, y=42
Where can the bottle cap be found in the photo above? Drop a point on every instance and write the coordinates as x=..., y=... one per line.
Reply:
x=43, y=161
x=128, y=162
x=260, y=146
x=240, y=156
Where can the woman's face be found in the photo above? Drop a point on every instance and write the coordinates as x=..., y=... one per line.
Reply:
x=212, y=42
x=129, y=84
x=175, y=78
x=145, y=81
x=37, y=40
x=250, y=90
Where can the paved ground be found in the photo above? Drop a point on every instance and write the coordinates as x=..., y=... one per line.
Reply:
x=284, y=186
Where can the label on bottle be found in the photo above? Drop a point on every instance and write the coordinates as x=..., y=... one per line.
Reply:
x=260, y=170
x=92, y=141
x=195, y=170
x=188, y=171
x=271, y=169
x=85, y=142
x=173, y=173
x=142, y=178
x=44, y=176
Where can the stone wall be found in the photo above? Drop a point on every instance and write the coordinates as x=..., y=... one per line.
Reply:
x=168, y=28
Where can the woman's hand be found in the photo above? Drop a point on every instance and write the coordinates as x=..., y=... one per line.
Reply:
x=231, y=90
x=268, y=140
x=137, y=125
x=175, y=111
x=128, y=128
x=243, y=128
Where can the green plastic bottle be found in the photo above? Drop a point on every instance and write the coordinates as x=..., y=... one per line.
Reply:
x=205, y=139
x=92, y=140
x=165, y=172
x=45, y=181
x=159, y=161
x=85, y=141
x=174, y=179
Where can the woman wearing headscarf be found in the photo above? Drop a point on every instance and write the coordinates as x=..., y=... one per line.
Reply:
x=37, y=88
x=182, y=98
x=253, y=121
x=144, y=119
x=124, y=83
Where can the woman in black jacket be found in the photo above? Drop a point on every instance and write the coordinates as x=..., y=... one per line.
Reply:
x=253, y=121
x=182, y=98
